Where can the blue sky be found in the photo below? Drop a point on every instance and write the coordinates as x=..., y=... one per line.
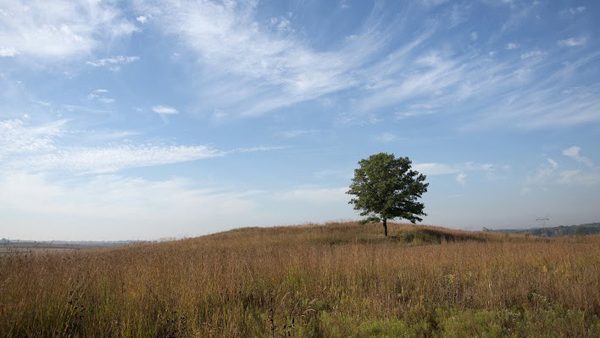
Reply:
x=152, y=119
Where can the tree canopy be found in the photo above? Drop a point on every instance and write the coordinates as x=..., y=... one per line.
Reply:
x=386, y=187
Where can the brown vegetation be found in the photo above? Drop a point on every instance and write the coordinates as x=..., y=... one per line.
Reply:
x=332, y=280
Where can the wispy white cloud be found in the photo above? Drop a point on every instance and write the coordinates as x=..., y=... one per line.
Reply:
x=572, y=42
x=250, y=68
x=282, y=24
x=578, y=177
x=574, y=152
x=577, y=10
x=461, y=178
x=534, y=54
x=434, y=76
x=536, y=108
x=458, y=14
x=533, y=91
x=430, y=82
x=255, y=71
x=435, y=169
x=433, y=3
x=541, y=94
x=414, y=110
x=512, y=45
x=297, y=133
x=543, y=174
x=8, y=52
x=258, y=149
x=100, y=95
x=551, y=173
x=165, y=110
x=58, y=29
x=76, y=108
x=17, y=137
x=36, y=149
x=520, y=12
x=110, y=159
x=344, y=4
x=572, y=12
x=110, y=135
x=113, y=63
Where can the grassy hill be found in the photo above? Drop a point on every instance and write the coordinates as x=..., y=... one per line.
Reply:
x=340, y=279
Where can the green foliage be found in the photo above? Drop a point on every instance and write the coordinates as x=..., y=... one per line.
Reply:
x=385, y=187
x=342, y=326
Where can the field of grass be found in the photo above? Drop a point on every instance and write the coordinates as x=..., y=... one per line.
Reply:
x=332, y=280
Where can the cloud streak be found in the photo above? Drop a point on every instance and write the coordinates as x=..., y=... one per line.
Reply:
x=436, y=169
x=250, y=68
x=113, y=63
x=165, y=110
x=572, y=42
x=574, y=152
x=115, y=158
x=58, y=29
x=552, y=173
x=36, y=149
x=279, y=69
x=16, y=137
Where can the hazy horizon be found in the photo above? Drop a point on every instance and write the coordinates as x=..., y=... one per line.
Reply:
x=161, y=239
x=155, y=119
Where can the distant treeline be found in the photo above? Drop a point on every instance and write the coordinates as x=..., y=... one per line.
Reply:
x=4, y=242
x=562, y=230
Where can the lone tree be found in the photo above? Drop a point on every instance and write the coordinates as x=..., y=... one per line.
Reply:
x=385, y=187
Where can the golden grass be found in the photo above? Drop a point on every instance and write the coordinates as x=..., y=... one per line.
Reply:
x=340, y=279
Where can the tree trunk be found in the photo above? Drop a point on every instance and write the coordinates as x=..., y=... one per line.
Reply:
x=385, y=227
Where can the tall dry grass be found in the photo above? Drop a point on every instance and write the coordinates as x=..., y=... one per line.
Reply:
x=333, y=280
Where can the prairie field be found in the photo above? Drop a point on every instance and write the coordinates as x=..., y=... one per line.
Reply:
x=333, y=280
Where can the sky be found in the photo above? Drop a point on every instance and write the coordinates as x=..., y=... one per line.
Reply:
x=125, y=120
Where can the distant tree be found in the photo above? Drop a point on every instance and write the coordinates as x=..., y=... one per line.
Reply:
x=385, y=187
